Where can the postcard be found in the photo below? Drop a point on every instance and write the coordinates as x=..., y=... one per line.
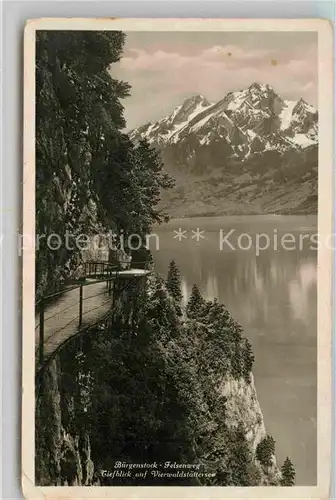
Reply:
x=177, y=254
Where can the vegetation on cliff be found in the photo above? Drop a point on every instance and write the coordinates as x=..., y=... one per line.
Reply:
x=89, y=175
x=287, y=473
x=150, y=384
x=148, y=388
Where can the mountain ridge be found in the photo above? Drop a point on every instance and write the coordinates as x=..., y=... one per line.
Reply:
x=250, y=152
x=245, y=111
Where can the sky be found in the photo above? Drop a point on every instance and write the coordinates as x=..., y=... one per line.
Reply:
x=164, y=68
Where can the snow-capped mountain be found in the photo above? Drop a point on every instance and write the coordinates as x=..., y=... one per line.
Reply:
x=250, y=152
x=248, y=121
x=167, y=130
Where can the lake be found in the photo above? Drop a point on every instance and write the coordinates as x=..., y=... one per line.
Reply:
x=273, y=296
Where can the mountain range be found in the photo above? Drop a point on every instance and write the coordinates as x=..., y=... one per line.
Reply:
x=251, y=152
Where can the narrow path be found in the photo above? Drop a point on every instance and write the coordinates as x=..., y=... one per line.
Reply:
x=61, y=318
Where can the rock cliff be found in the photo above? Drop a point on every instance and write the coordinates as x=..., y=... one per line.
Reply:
x=117, y=392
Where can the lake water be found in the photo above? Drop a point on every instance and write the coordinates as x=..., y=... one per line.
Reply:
x=273, y=296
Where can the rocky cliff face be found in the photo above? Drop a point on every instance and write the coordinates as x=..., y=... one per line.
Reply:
x=251, y=152
x=243, y=408
x=63, y=452
x=64, y=432
x=65, y=209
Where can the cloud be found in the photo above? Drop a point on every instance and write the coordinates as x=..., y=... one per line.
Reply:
x=157, y=61
x=232, y=54
x=167, y=76
x=142, y=60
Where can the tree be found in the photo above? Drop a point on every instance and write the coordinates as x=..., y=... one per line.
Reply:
x=159, y=314
x=248, y=358
x=265, y=450
x=78, y=116
x=128, y=181
x=151, y=179
x=89, y=174
x=195, y=302
x=287, y=473
x=174, y=284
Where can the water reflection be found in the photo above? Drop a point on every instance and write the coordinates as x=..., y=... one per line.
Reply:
x=302, y=291
x=273, y=296
x=257, y=285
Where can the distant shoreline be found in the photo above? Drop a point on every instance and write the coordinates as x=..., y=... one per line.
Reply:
x=210, y=216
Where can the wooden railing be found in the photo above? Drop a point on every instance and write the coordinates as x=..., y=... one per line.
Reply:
x=92, y=273
x=100, y=269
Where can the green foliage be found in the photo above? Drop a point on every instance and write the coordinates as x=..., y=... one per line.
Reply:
x=77, y=102
x=88, y=173
x=173, y=284
x=195, y=302
x=162, y=314
x=266, y=450
x=184, y=414
x=143, y=398
x=146, y=386
x=248, y=357
x=287, y=473
x=128, y=184
x=237, y=466
x=224, y=334
x=151, y=179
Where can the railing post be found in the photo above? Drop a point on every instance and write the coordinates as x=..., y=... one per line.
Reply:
x=80, y=305
x=113, y=293
x=41, y=340
x=108, y=276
